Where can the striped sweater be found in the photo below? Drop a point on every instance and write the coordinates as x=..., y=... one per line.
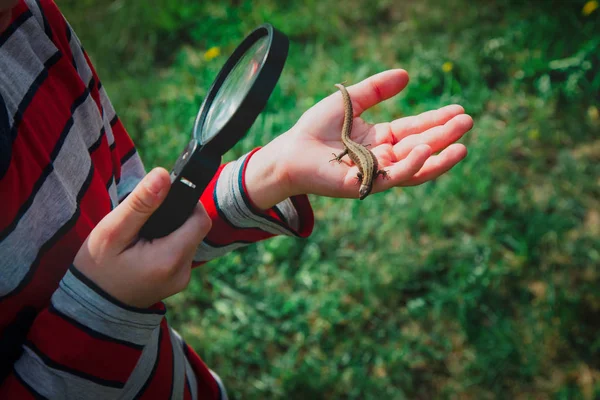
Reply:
x=65, y=162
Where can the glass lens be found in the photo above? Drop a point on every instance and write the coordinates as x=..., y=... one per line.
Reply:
x=233, y=90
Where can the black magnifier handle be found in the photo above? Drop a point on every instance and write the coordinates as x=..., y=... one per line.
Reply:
x=193, y=171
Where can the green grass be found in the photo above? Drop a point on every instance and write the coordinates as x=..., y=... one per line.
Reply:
x=482, y=284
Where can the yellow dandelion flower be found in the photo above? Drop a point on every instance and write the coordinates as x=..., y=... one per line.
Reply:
x=589, y=7
x=534, y=134
x=447, y=66
x=212, y=53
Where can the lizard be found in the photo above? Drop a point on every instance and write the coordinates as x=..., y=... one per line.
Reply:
x=365, y=160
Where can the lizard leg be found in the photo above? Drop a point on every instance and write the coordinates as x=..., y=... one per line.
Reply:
x=383, y=173
x=359, y=176
x=338, y=157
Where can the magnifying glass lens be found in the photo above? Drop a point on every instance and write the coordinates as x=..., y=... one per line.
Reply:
x=233, y=91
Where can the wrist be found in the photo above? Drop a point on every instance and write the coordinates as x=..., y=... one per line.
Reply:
x=266, y=180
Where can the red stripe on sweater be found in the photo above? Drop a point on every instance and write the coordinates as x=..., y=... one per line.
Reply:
x=124, y=142
x=162, y=379
x=187, y=395
x=59, y=28
x=31, y=152
x=53, y=265
x=78, y=350
x=57, y=24
x=95, y=90
x=207, y=386
x=16, y=12
x=101, y=158
x=222, y=232
x=123, y=145
x=12, y=388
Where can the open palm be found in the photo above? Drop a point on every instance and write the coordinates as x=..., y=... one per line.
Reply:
x=412, y=150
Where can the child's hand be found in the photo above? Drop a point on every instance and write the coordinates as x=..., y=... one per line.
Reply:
x=297, y=162
x=137, y=272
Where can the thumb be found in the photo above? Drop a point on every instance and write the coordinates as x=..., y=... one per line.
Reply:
x=125, y=221
x=377, y=88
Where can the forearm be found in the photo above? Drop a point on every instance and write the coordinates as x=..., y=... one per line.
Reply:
x=84, y=341
x=267, y=182
x=237, y=219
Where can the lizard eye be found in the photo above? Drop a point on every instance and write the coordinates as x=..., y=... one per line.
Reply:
x=363, y=191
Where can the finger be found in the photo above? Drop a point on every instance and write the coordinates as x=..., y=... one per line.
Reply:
x=174, y=252
x=406, y=168
x=407, y=126
x=438, y=164
x=123, y=224
x=376, y=89
x=438, y=137
x=194, y=229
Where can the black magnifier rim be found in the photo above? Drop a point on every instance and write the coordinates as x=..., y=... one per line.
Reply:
x=255, y=99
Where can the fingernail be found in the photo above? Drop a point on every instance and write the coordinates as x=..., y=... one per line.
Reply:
x=154, y=183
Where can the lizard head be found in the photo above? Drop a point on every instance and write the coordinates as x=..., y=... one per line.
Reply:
x=363, y=191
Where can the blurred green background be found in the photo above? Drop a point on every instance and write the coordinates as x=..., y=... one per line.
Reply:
x=482, y=284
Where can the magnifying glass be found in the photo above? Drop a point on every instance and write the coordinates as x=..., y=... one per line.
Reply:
x=236, y=98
